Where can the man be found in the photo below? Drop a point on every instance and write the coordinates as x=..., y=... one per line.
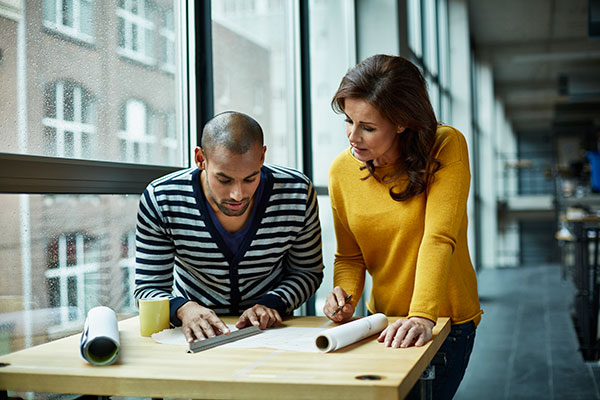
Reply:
x=230, y=236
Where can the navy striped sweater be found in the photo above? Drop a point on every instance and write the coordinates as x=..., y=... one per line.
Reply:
x=180, y=254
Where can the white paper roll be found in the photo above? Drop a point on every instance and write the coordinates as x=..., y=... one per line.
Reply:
x=351, y=332
x=100, y=337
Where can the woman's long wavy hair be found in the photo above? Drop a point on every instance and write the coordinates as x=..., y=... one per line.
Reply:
x=397, y=89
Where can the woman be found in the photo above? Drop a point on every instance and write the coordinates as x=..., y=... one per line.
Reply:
x=399, y=199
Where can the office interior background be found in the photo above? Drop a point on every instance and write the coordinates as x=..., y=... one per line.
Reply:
x=97, y=98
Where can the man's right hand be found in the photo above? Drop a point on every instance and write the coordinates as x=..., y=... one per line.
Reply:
x=199, y=322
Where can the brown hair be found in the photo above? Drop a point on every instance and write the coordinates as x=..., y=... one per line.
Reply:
x=397, y=89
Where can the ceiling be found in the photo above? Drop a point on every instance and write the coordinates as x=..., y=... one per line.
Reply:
x=546, y=67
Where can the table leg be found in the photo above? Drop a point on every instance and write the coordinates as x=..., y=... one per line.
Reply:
x=426, y=383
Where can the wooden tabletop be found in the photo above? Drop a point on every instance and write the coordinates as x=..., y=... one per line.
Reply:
x=148, y=369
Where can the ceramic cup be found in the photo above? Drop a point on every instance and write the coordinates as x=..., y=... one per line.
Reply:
x=154, y=315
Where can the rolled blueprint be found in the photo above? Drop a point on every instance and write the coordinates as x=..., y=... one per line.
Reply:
x=100, y=337
x=351, y=332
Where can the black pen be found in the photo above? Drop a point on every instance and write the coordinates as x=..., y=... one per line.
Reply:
x=339, y=308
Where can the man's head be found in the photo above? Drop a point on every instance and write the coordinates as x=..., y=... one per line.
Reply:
x=231, y=156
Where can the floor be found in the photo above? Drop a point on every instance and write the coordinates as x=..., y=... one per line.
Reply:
x=526, y=346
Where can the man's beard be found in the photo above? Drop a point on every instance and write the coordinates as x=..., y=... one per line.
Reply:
x=223, y=208
x=228, y=211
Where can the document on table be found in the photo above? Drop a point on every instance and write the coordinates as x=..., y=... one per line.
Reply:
x=310, y=340
x=281, y=338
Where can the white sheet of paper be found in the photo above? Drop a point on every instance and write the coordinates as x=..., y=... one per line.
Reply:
x=281, y=338
x=293, y=338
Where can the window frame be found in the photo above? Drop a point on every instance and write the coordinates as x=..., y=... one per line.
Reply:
x=75, y=31
x=79, y=128
x=63, y=272
x=145, y=25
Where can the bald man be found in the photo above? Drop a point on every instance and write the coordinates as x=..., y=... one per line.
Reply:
x=230, y=236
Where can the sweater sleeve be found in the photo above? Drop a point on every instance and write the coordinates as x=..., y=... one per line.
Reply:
x=349, y=266
x=444, y=215
x=154, y=255
x=303, y=264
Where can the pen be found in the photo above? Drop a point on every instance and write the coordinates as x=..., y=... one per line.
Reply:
x=339, y=308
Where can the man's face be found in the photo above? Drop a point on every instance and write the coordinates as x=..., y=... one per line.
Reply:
x=230, y=180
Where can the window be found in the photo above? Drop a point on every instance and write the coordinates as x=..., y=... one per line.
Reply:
x=76, y=123
x=414, y=27
x=127, y=264
x=69, y=122
x=170, y=144
x=330, y=58
x=443, y=42
x=255, y=69
x=167, y=41
x=431, y=36
x=444, y=74
x=329, y=62
x=137, y=30
x=136, y=139
x=74, y=18
x=60, y=99
x=434, y=95
x=72, y=264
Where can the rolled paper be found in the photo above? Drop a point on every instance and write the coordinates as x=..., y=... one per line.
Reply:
x=100, y=337
x=350, y=332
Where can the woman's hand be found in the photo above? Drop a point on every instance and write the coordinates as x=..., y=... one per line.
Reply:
x=334, y=300
x=407, y=332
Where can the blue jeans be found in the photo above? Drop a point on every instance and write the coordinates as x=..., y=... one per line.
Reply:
x=450, y=362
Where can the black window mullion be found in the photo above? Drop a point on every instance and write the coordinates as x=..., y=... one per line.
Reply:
x=29, y=174
x=307, y=158
x=205, y=108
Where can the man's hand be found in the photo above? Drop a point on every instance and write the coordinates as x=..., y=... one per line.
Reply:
x=259, y=315
x=334, y=300
x=199, y=322
x=407, y=332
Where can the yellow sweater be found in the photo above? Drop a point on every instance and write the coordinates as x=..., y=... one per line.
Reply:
x=415, y=250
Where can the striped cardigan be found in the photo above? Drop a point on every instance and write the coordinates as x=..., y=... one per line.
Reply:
x=180, y=255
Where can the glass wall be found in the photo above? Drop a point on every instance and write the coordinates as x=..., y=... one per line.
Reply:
x=59, y=267
x=255, y=67
x=93, y=80
x=85, y=80
x=332, y=53
x=105, y=82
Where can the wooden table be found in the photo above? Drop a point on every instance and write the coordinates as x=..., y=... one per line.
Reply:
x=149, y=369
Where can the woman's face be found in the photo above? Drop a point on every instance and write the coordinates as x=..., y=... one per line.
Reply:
x=371, y=136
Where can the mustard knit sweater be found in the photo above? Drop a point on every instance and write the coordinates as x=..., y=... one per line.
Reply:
x=415, y=250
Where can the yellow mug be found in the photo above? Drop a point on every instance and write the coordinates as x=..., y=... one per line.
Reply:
x=154, y=315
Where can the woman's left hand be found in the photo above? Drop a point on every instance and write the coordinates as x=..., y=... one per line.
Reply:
x=407, y=332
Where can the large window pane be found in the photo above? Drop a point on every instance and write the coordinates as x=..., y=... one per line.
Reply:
x=434, y=95
x=443, y=42
x=431, y=36
x=62, y=267
x=415, y=41
x=66, y=82
x=255, y=66
x=330, y=60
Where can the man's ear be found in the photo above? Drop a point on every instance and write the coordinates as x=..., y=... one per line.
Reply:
x=262, y=157
x=200, y=158
x=400, y=129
